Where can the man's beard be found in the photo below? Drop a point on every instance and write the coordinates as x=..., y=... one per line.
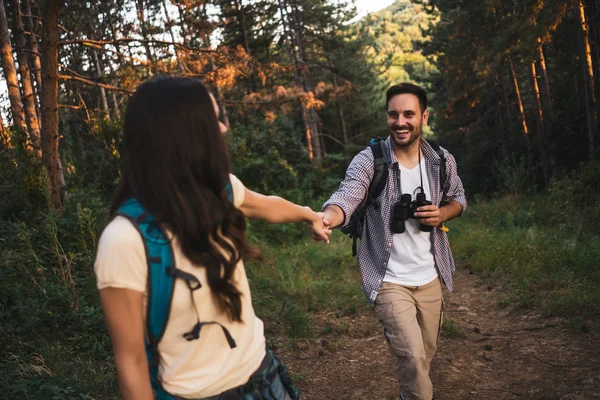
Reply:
x=414, y=132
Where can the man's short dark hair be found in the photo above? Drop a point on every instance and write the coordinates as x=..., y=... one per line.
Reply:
x=405, y=87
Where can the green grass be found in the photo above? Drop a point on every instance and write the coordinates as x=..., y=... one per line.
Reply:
x=451, y=329
x=542, y=264
x=301, y=278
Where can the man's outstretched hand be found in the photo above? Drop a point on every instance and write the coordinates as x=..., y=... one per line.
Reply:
x=319, y=227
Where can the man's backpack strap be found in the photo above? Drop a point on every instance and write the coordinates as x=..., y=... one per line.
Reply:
x=380, y=176
x=443, y=177
x=161, y=284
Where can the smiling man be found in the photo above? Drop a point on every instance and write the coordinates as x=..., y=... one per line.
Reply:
x=404, y=254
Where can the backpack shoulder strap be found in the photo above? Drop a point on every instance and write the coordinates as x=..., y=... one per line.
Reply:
x=230, y=192
x=161, y=283
x=380, y=176
x=436, y=147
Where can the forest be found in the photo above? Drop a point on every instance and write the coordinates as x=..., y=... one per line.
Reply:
x=514, y=94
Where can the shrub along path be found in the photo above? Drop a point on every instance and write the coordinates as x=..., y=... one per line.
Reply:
x=485, y=352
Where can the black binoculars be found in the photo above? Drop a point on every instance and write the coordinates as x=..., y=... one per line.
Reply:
x=404, y=209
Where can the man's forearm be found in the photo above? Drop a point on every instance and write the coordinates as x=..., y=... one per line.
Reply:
x=450, y=210
x=334, y=215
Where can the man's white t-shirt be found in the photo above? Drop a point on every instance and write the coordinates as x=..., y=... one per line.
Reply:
x=411, y=261
x=198, y=368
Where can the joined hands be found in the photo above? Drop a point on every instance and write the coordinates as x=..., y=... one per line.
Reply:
x=320, y=227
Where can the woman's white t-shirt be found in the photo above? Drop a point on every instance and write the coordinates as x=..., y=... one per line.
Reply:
x=197, y=368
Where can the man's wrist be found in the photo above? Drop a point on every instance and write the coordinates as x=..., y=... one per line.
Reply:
x=332, y=213
x=443, y=215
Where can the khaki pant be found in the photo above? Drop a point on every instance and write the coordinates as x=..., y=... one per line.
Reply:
x=411, y=317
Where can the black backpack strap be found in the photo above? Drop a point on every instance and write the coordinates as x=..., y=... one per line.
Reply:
x=380, y=176
x=354, y=227
x=443, y=177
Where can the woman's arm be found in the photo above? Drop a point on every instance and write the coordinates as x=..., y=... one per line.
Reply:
x=277, y=210
x=123, y=309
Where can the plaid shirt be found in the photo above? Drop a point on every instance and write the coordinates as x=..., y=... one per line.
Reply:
x=271, y=381
x=376, y=242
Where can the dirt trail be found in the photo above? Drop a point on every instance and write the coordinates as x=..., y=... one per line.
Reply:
x=503, y=354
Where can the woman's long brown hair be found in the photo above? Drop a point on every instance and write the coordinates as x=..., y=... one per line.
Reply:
x=177, y=166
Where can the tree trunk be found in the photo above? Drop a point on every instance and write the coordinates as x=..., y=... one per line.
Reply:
x=219, y=98
x=344, y=131
x=288, y=42
x=243, y=27
x=311, y=118
x=340, y=111
x=593, y=35
x=241, y=15
x=184, y=31
x=99, y=75
x=541, y=132
x=318, y=126
x=513, y=75
x=10, y=74
x=113, y=30
x=506, y=101
x=115, y=101
x=546, y=98
x=142, y=21
x=4, y=139
x=308, y=132
x=573, y=69
x=34, y=56
x=49, y=101
x=122, y=62
x=28, y=98
x=589, y=80
x=169, y=24
x=313, y=142
x=213, y=68
x=500, y=119
x=545, y=87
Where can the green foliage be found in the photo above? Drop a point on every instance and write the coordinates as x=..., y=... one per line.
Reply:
x=23, y=183
x=271, y=159
x=56, y=345
x=399, y=31
x=485, y=89
x=571, y=200
x=98, y=167
x=302, y=278
x=542, y=248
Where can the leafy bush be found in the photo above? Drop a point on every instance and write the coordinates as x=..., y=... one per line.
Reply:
x=56, y=344
x=23, y=184
x=543, y=248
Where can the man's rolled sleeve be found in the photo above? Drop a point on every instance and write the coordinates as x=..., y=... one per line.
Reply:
x=456, y=190
x=353, y=189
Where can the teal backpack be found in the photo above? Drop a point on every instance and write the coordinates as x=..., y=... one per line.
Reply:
x=162, y=274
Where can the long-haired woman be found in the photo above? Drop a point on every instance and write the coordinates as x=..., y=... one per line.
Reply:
x=177, y=191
